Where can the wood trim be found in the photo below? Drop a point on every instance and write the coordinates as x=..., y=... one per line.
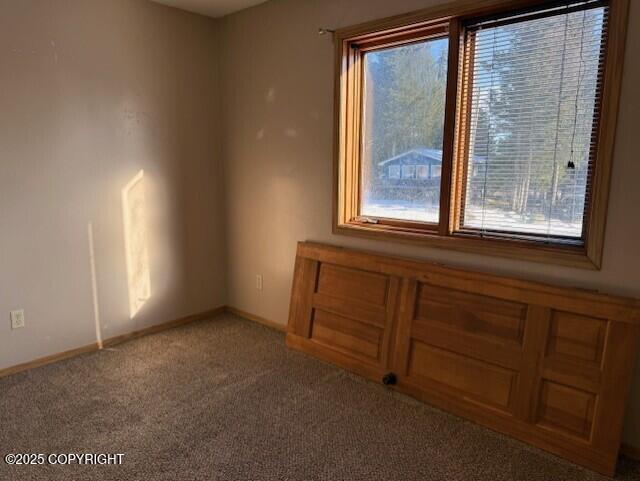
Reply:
x=350, y=107
x=463, y=128
x=630, y=451
x=616, y=382
x=61, y=356
x=147, y=331
x=588, y=302
x=446, y=11
x=210, y=314
x=535, y=335
x=597, y=211
x=448, y=148
x=570, y=257
x=307, y=269
x=414, y=33
x=43, y=361
x=346, y=141
x=260, y=320
x=403, y=329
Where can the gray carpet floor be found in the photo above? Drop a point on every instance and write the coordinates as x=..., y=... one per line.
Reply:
x=226, y=400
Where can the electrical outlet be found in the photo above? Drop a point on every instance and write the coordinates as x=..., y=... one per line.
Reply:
x=259, y=282
x=17, y=319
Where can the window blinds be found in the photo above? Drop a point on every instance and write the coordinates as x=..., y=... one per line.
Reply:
x=533, y=88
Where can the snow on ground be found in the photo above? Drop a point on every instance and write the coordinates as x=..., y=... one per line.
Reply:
x=494, y=219
x=401, y=210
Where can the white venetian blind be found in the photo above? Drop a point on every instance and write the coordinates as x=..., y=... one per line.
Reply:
x=534, y=83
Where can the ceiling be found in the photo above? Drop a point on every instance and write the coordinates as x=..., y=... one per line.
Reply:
x=211, y=8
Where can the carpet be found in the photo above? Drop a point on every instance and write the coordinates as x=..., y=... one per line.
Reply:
x=226, y=400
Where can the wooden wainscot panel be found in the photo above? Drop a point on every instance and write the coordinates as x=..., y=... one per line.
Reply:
x=346, y=335
x=476, y=381
x=343, y=311
x=550, y=366
x=353, y=284
x=577, y=338
x=566, y=409
x=473, y=314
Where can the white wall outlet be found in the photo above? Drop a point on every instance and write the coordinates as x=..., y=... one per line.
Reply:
x=17, y=319
x=259, y=282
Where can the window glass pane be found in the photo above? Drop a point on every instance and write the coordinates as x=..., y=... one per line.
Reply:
x=408, y=171
x=534, y=100
x=402, y=137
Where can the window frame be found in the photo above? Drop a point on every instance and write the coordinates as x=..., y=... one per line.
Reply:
x=448, y=20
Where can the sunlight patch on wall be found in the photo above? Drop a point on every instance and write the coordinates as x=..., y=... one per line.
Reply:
x=136, y=243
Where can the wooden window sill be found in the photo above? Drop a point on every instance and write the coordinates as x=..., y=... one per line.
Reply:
x=566, y=255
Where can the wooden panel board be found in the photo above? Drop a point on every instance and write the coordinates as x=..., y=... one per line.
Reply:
x=566, y=409
x=374, y=315
x=491, y=351
x=344, y=311
x=577, y=338
x=551, y=366
x=471, y=313
x=352, y=284
x=474, y=380
x=346, y=335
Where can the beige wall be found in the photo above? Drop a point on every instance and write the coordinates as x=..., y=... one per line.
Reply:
x=90, y=93
x=93, y=91
x=278, y=124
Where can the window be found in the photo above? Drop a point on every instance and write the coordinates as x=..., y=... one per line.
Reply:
x=534, y=102
x=404, y=98
x=422, y=171
x=394, y=171
x=485, y=128
x=408, y=172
